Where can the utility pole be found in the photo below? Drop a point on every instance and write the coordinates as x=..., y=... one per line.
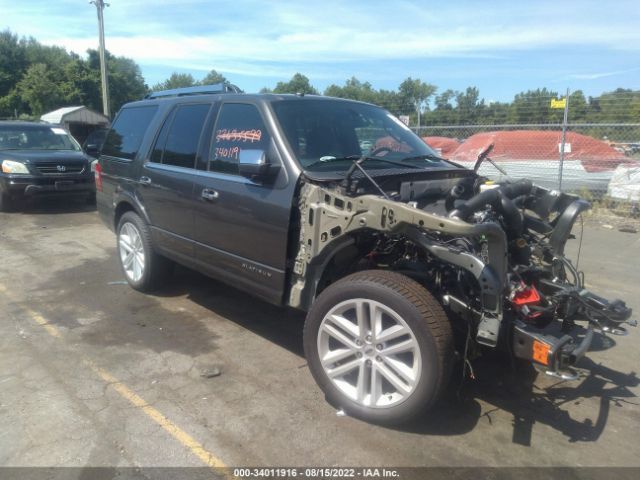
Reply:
x=564, y=138
x=103, y=63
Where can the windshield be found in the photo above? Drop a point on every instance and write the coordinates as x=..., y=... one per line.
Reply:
x=325, y=135
x=19, y=137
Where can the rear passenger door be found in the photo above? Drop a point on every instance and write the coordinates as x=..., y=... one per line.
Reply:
x=241, y=227
x=167, y=178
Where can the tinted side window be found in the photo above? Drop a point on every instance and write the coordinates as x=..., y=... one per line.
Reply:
x=184, y=135
x=127, y=132
x=239, y=126
x=158, y=148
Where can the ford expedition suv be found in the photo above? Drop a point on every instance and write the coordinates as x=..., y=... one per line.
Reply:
x=41, y=158
x=402, y=260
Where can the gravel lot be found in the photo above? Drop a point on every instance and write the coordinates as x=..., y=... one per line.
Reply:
x=93, y=373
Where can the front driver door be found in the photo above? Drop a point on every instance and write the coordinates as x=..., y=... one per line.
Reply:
x=242, y=227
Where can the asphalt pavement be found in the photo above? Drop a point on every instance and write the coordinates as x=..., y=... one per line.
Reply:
x=93, y=373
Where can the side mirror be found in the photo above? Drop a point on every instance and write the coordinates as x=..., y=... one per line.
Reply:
x=255, y=165
x=92, y=149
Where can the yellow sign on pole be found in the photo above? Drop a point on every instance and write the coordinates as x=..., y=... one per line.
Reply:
x=558, y=103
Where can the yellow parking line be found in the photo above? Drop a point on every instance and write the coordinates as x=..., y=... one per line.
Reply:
x=176, y=432
x=125, y=392
x=39, y=319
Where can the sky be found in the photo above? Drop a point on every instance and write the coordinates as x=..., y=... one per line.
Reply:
x=501, y=47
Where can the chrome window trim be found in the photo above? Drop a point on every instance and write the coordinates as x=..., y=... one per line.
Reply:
x=199, y=173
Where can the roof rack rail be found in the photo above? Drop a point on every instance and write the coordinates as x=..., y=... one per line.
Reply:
x=199, y=90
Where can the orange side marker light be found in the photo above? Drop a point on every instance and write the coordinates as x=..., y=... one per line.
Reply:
x=541, y=352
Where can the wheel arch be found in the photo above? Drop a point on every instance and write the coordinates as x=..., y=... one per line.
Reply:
x=128, y=203
x=322, y=266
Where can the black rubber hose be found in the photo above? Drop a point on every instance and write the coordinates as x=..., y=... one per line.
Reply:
x=464, y=188
x=512, y=216
x=516, y=189
x=501, y=199
x=489, y=197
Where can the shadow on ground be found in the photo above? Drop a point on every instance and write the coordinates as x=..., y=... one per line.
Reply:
x=94, y=298
x=278, y=325
x=501, y=384
x=526, y=394
x=55, y=204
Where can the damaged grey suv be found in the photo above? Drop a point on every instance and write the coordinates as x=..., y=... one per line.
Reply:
x=404, y=262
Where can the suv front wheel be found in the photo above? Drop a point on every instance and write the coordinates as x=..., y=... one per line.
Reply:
x=143, y=268
x=379, y=345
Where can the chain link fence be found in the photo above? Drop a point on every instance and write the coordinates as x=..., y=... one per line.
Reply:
x=601, y=162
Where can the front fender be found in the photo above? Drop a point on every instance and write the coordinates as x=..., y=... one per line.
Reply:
x=304, y=290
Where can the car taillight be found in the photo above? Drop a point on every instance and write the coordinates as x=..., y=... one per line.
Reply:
x=98, y=175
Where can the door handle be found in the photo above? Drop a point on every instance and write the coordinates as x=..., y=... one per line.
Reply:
x=209, y=194
x=145, y=181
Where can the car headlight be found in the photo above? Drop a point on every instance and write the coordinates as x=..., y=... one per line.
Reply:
x=10, y=166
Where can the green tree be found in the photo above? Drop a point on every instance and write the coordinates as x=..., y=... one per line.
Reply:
x=443, y=112
x=12, y=104
x=442, y=101
x=176, y=80
x=80, y=84
x=213, y=78
x=470, y=107
x=298, y=84
x=13, y=61
x=495, y=113
x=353, y=89
x=35, y=78
x=39, y=89
x=125, y=81
x=634, y=108
x=334, y=90
x=52, y=56
x=534, y=106
x=578, y=107
x=390, y=100
x=615, y=107
x=416, y=93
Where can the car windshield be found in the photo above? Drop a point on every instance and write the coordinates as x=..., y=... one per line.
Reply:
x=20, y=137
x=96, y=137
x=326, y=135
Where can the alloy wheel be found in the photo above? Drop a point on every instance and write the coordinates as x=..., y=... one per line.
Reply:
x=132, y=254
x=369, y=353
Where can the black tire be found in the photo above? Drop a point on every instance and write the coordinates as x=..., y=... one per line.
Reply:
x=419, y=310
x=156, y=267
x=7, y=204
x=91, y=198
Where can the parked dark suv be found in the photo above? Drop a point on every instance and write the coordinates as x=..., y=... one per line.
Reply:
x=41, y=158
x=335, y=207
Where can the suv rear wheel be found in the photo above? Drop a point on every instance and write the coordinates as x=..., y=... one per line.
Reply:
x=143, y=268
x=379, y=345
